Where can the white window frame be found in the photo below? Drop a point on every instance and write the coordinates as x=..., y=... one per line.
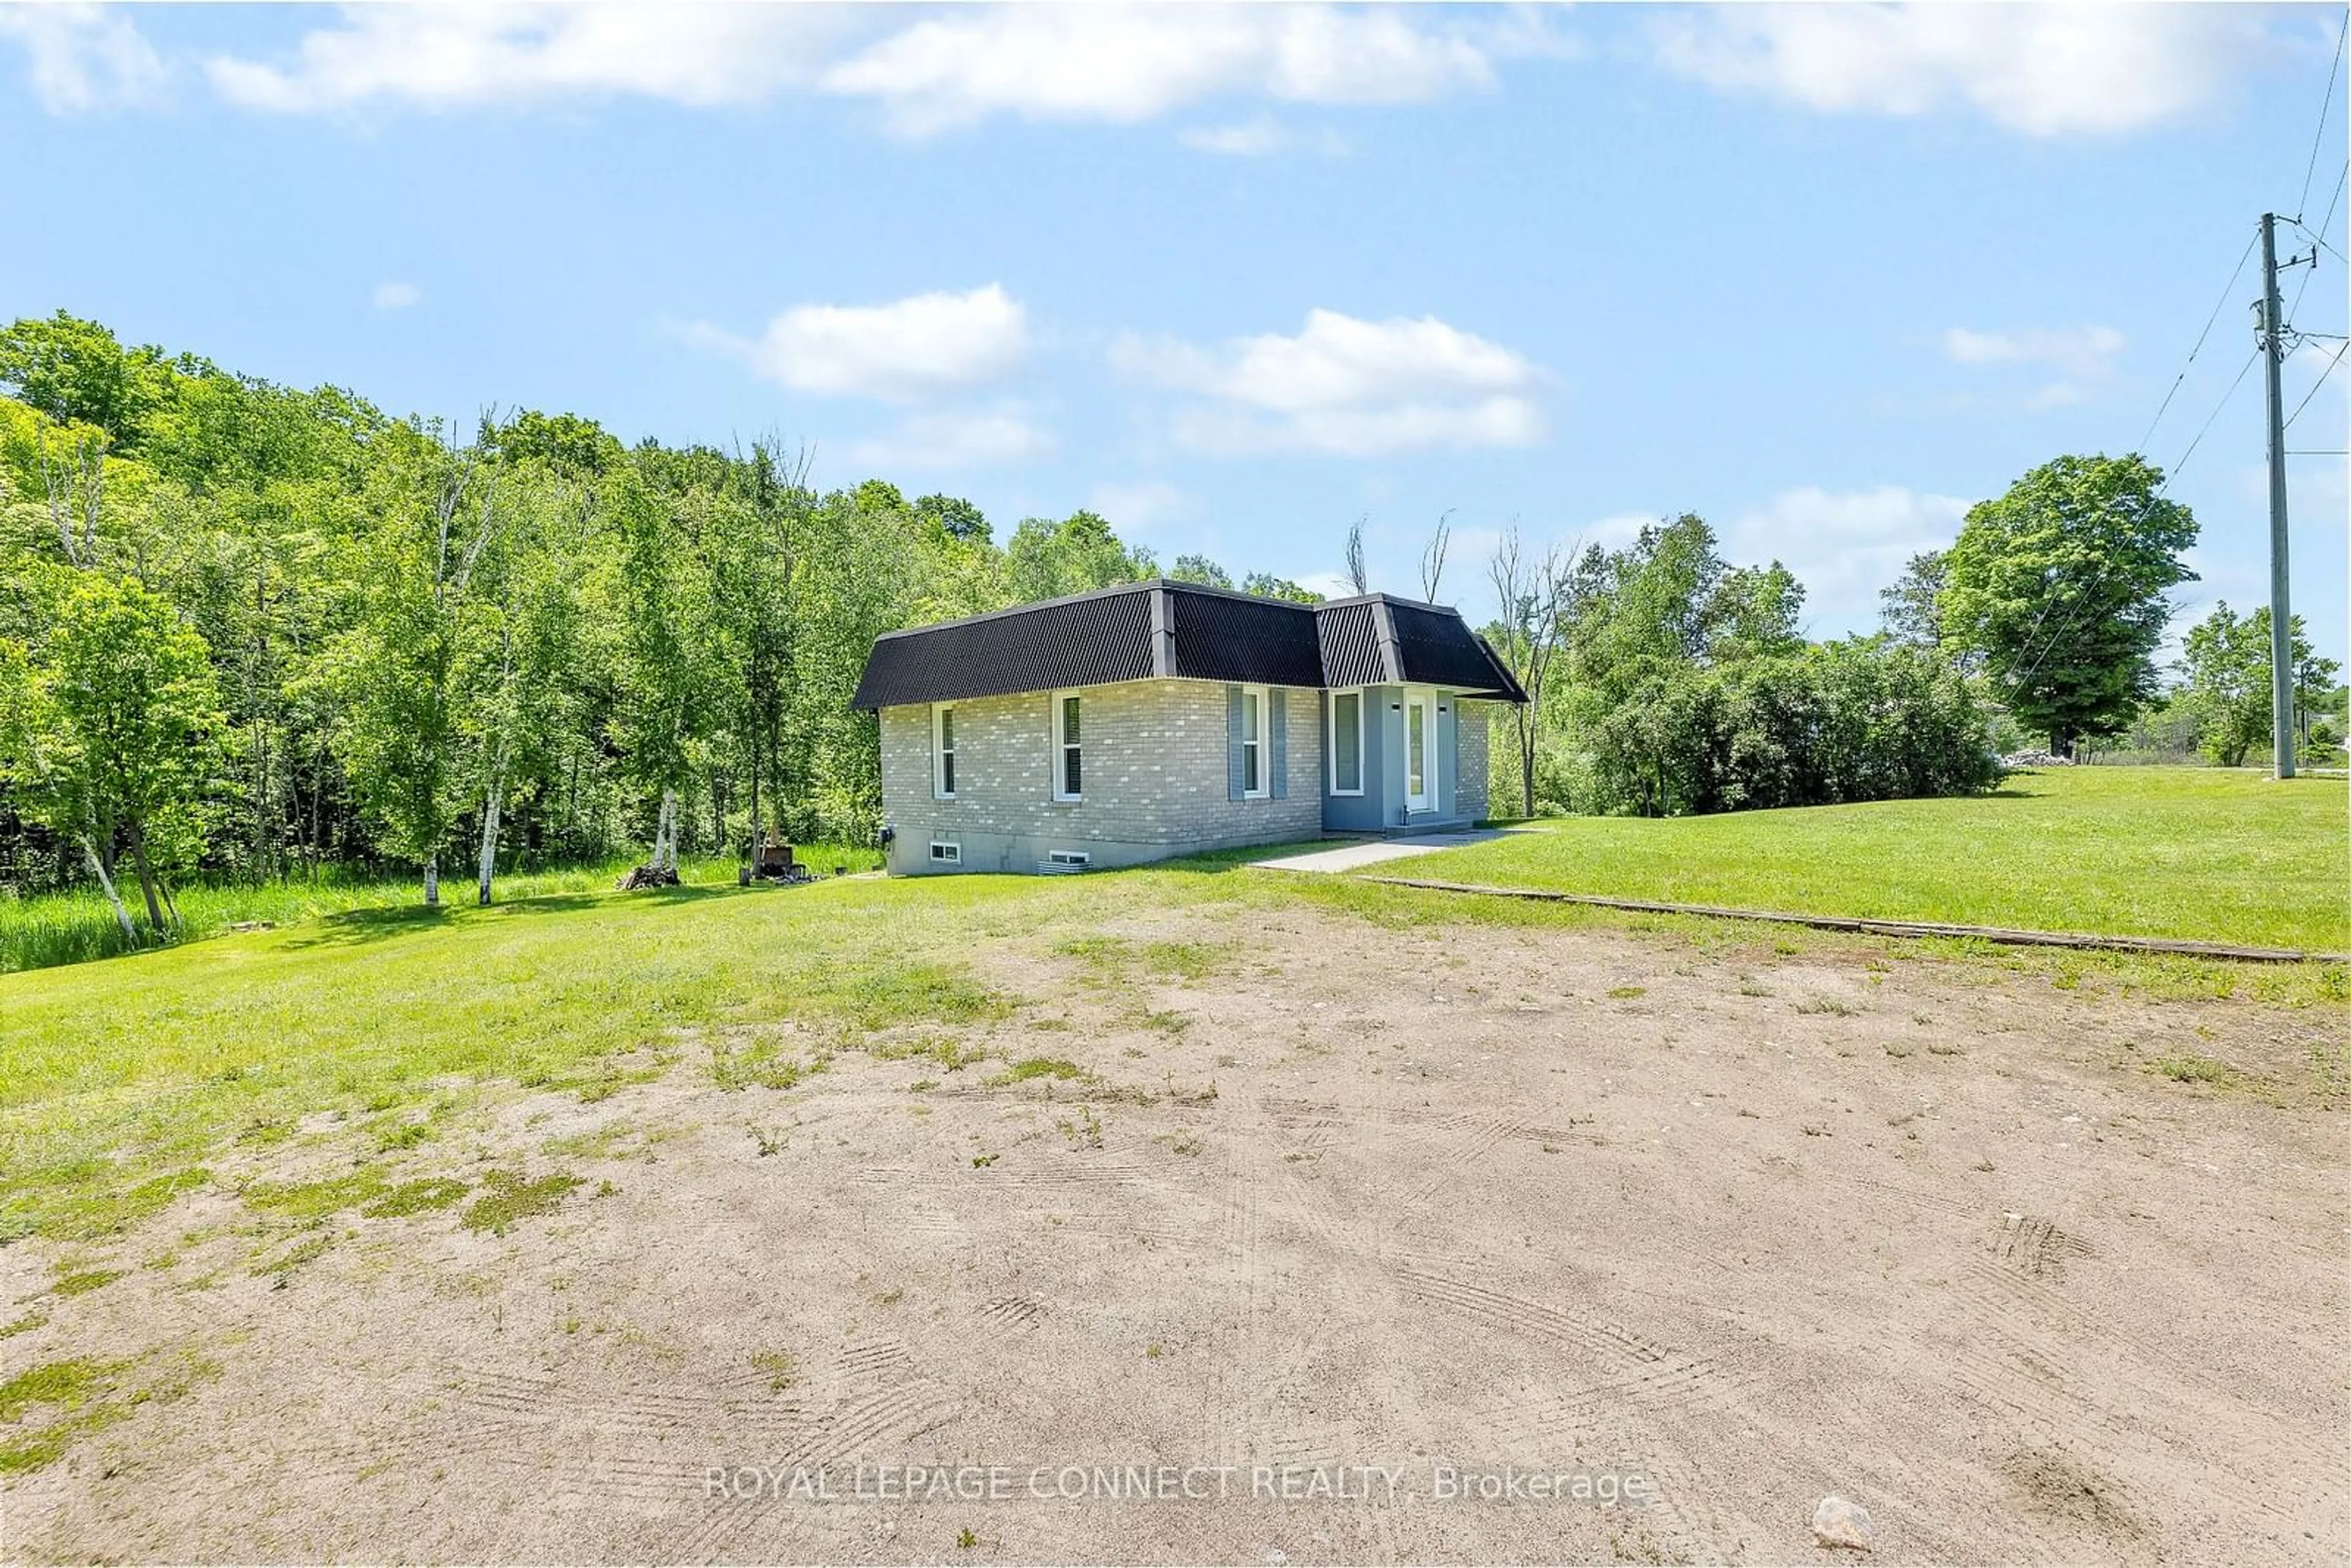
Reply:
x=942, y=753
x=1330, y=742
x=1061, y=748
x=1262, y=744
x=953, y=856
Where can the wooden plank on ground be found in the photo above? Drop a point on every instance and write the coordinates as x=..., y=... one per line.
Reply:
x=2082, y=939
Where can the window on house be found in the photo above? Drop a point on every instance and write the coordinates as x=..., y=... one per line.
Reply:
x=1346, y=743
x=943, y=751
x=1254, y=782
x=1069, y=772
x=1417, y=733
x=946, y=853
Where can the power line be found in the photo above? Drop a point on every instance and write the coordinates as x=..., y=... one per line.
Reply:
x=2226, y=290
x=2073, y=608
x=2314, y=386
x=2324, y=224
x=2225, y=396
x=2319, y=135
x=2082, y=597
x=2320, y=240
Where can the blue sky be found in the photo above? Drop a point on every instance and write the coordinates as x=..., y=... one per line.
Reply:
x=1237, y=277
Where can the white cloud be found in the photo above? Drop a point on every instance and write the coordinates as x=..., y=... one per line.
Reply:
x=1844, y=546
x=1343, y=386
x=1329, y=584
x=925, y=346
x=2056, y=394
x=2076, y=350
x=2084, y=356
x=1140, y=507
x=956, y=438
x=1260, y=138
x=1363, y=432
x=395, y=296
x=1124, y=63
x=452, y=56
x=2044, y=69
x=1130, y=63
x=84, y=56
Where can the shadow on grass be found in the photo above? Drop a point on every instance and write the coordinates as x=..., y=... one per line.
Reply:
x=356, y=927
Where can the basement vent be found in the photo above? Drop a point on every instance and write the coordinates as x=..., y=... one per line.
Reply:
x=946, y=853
x=1063, y=862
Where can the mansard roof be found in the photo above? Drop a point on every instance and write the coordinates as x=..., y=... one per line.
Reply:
x=1159, y=628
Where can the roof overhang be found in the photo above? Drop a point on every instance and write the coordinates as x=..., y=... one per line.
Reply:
x=1163, y=628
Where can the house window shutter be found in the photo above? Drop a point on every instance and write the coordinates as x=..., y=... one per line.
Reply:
x=1236, y=784
x=1278, y=700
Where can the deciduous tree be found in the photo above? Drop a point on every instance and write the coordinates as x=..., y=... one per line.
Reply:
x=108, y=731
x=2061, y=586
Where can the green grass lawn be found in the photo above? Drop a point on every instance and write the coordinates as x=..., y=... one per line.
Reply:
x=2157, y=851
x=121, y=1080
x=126, y=1083
x=70, y=928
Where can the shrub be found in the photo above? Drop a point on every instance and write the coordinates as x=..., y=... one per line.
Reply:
x=1863, y=719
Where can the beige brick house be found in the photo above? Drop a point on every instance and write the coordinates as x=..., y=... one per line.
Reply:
x=1163, y=718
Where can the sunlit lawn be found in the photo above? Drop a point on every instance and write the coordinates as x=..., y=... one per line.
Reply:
x=71, y=928
x=2205, y=854
x=128, y=1081
x=121, y=1079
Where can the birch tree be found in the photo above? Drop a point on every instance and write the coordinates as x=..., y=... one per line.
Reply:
x=398, y=666
x=107, y=730
x=1531, y=592
x=665, y=687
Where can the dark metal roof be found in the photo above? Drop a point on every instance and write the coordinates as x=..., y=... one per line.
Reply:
x=1433, y=649
x=1138, y=630
x=1089, y=641
x=1350, y=636
x=1222, y=638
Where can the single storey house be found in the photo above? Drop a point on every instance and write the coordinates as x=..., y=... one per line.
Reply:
x=1162, y=718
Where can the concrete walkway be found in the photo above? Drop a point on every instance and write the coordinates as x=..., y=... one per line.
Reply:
x=1372, y=852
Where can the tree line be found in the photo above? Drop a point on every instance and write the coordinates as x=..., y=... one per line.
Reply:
x=1666, y=680
x=249, y=630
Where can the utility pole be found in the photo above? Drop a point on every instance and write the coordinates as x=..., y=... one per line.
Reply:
x=2281, y=615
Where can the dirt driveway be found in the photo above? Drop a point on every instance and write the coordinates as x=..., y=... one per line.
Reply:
x=1291, y=1244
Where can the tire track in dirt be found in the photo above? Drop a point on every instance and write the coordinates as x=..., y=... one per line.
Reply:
x=2035, y=1247
x=506, y=1417
x=1658, y=1401
x=1015, y=1314
x=1924, y=1201
x=1594, y=1336
x=887, y=1400
x=967, y=1183
x=1309, y=1124
x=1488, y=1135
x=409, y=1448
x=2006, y=1364
x=1335, y=1222
x=1230, y=1425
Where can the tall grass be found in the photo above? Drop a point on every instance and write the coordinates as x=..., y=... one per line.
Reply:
x=74, y=927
